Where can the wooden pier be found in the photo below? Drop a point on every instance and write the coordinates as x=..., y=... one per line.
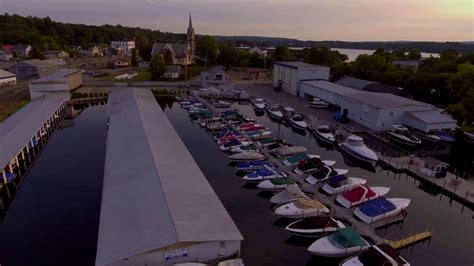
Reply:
x=411, y=240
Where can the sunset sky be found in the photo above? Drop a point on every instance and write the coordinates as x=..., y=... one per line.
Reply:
x=351, y=20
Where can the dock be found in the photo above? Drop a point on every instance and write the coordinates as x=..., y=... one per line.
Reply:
x=411, y=240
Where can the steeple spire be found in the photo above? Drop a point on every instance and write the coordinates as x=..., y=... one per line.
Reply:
x=190, y=22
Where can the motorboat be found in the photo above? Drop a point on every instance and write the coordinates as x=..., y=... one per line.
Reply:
x=266, y=142
x=380, y=208
x=323, y=173
x=324, y=133
x=318, y=103
x=248, y=130
x=276, y=184
x=217, y=126
x=246, y=125
x=274, y=112
x=230, y=115
x=224, y=132
x=469, y=136
x=263, y=174
x=361, y=194
x=233, y=144
x=297, y=158
x=259, y=105
x=262, y=134
x=401, y=135
x=288, y=151
x=382, y=254
x=245, y=119
x=297, y=122
x=310, y=165
x=446, y=136
x=221, y=104
x=354, y=146
x=344, y=242
x=251, y=166
x=314, y=226
x=246, y=156
x=290, y=194
x=231, y=262
x=249, y=148
x=301, y=208
x=427, y=136
x=287, y=112
x=341, y=183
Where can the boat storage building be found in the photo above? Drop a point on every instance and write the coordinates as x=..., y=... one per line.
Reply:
x=379, y=111
x=59, y=84
x=288, y=76
x=157, y=206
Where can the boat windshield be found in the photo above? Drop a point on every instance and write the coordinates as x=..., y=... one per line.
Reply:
x=297, y=118
x=324, y=130
x=356, y=142
x=345, y=238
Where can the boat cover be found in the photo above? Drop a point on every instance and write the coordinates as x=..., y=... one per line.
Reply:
x=298, y=157
x=266, y=141
x=261, y=172
x=337, y=181
x=377, y=207
x=347, y=237
x=288, y=151
x=303, y=203
x=373, y=256
x=314, y=223
x=309, y=164
x=356, y=194
x=250, y=164
x=281, y=181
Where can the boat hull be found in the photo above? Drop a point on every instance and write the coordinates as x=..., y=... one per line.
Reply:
x=358, y=156
x=400, y=204
x=323, y=247
x=333, y=191
x=379, y=192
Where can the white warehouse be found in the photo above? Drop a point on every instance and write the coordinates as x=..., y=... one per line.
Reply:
x=379, y=111
x=59, y=84
x=7, y=78
x=287, y=76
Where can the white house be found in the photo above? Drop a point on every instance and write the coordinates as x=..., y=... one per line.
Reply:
x=124, y=47
x=172, y=72
x=216, y=76
x=7, y=78
x=287, y=76
x=59, y=84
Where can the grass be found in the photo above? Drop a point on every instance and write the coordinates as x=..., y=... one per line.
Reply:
x=142, y=76
x=11, y=109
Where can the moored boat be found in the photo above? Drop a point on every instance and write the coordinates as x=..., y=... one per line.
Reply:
x=380, y=208
x=275, y=113
x=324, y=134
x=288, y=151
x=341, y=183
x=310, y=165
x=259, y=105
x=263, y=174
x=354, y=146
x=297, y=122
x=301, y=208
x=361, y=194
x=246, y=156
x=345, y=242
x=297, y=158
x=401, y=135
x=287, y=112
x=290, y=194
x=382, y=254
x=276, y=184
x=323, y=173
x=251, y=166
x=318, y=103
x=314, y=226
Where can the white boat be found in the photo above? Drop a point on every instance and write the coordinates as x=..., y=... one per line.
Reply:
x=274, y=112
x=263, y=134
x=251, y=166
x=324, y=133
x=287, y=111
x=354, y=146
x=314, y=226
x=297, y=122
x=297, y=158
x=263, y=174
x=344, y=242
x=288, y=151
x=259, y=105
x=340, y=183
x=323, y=173
x=428, y=136
x=310, y=165
x=276, y=184
x=380, y=208
x=249, y=148
x=232, y=262
x=246, y=156
x=360, y=194
x=400, y=134
x=318, y=103
x=469, y=136
x=288, y=195
x=301, y=208
x=382, y=254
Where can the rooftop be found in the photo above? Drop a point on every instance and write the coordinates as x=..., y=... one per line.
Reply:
x=384, y=100
x=432, y=116
x=58, y=76
x=5, y=74
x=154, y=193
x=43, y=63
x=332, y=87
x=298, y=64
x=18, y=129
x=354, y=82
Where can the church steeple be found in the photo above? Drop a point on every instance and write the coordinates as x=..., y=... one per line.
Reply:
x=191, y=38
x=190, y=22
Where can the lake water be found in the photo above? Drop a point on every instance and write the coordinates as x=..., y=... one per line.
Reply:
x=354, y=53
x=54, y=218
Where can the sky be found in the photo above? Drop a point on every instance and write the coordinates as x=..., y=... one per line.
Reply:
x=348, y=20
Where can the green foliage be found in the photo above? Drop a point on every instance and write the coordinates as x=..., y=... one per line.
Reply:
x=157, y=67
x=134, y=60
x=282, y=53
x=322, y=56
x=227, y=55
x=206, y=49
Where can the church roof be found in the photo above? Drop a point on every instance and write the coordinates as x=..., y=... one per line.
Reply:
x=177, y=49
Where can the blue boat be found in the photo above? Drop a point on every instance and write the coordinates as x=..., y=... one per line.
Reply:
x=263, y=174
x=380, y=208
x=254, y=165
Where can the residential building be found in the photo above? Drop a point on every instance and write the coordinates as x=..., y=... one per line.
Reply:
x=124, y=47
x=215, y=77
x=178, y=53
x=287, y=76
x=93, y=51
x=155, y=209
x=368, y=85
x=408, y=64
x=7, y=78
x=379, y=111
x=18, y=50
x=5, y=55
x=59, y=84
x=259, y=50
x=172, y=72
x=36, y=68
x=56, y=54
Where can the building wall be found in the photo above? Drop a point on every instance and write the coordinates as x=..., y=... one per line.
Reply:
x=199, y=252
x=74, y=80
x=310, y=73
x=48, y=70
x=49, y=90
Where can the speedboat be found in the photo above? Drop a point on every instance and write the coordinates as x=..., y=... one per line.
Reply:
x=254, y=128
x=301, y=208
x=345, y=242
x=276, y=184
x=297, y=122
x=469, y=136
x=382, y=254
x=341, y=183
x=290, y=194
x=323, y=173
x=380, y=208
x=261, y=134
x=265, y=142
x=275, y=113
x=287, y=112
x=234, y=143
x=361, y=194
x=263, y=174
x=223, y=133
x=324, y=133
x=446, y=136
x=314, y=226
x=246, y=156
x=251, y=166
x=400, y=134
x=288, y=151
x=247, y=125
x=427, y=136
x=297, y=158
x=354, y=146
x=318, y=103
x=259, y=105
x=249, y=148
x=310, y=165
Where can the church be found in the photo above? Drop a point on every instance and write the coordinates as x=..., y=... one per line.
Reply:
x=178, y=53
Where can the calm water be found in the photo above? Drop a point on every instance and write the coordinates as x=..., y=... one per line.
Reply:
x=354, y=53
x=54, y=218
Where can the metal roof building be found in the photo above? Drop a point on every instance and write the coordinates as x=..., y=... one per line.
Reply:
x=288, y=76
x=157, y=206
x=59, y=84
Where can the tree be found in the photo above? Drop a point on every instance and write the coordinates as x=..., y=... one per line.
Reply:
x=35, y=53
x=157, y=67
x=206, y=49
x=322, y=56
x=227, y=55
x=414, y=54
x=134, y=60
x=282, y=53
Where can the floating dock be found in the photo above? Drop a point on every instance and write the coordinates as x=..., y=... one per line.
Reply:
x=411, y=240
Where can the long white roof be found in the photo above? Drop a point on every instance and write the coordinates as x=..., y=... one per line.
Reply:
x=154, y=193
